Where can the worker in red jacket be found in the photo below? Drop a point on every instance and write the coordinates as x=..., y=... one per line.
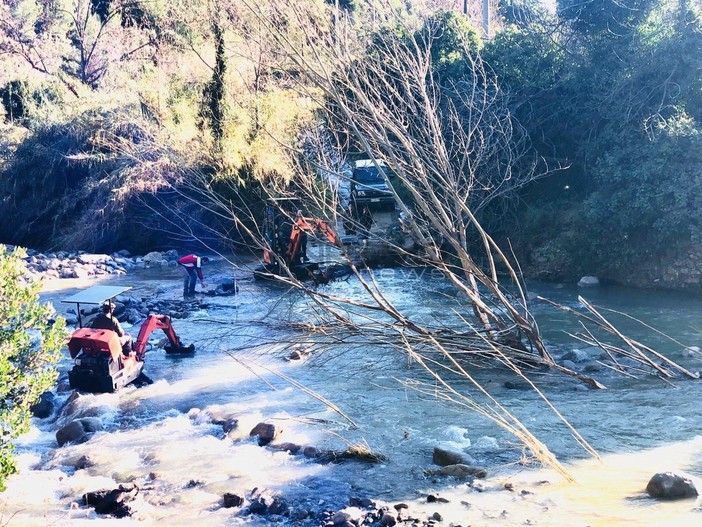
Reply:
x=191, y=265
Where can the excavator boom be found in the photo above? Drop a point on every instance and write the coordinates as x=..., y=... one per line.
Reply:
x=159, y=322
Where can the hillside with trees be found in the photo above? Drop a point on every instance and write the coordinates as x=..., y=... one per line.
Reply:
x=587, y=161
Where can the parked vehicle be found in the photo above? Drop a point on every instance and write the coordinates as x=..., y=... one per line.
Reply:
x=368, y=184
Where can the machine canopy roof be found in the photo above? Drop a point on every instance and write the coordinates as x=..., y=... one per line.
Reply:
x=96, y=294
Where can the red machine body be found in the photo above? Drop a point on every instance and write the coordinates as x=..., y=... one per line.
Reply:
x=100, y=362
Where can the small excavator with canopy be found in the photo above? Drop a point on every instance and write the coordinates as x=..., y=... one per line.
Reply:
x=101, y=363
x=286, y=237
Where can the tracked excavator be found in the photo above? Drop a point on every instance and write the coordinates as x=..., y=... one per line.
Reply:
x=102, y=365
x=286, y=236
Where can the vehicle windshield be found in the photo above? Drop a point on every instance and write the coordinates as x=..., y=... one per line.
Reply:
x=369, y=175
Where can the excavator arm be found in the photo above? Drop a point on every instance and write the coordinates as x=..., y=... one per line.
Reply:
x=159, y=322
x=303, y=225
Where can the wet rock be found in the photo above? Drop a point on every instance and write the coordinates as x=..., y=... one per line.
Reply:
x=511, y=385
x=432, y=498
x=388, y=520
x=78, y=431
x=592, y=367
x=258, y=506
x=692, y=352
x=291, y=448
x=670, y=486
x=229, y=285
x=278, y=506
x=229, y=426
x=568, y=364
x=232, y=500
x=361, y=503
x=44, y=407
x=437, y=517
x=400, y=506
x=589, y=281
x=310, y=451
x=266, y=433
x=460, y=471
x=443, y=457
x=84, y=462
x=340, y=518
x=112, y=502
x=576, y=355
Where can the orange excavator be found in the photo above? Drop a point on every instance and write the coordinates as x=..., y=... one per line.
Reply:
x=286, y=237
x=101, y=362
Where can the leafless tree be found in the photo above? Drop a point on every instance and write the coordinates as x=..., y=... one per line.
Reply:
x=454, y=148
x=68, y=39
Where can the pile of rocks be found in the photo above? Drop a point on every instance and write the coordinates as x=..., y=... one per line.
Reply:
x=135, y=310
x=64, y=264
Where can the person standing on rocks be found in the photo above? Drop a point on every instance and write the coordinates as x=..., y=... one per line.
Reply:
x=191, y=265
x=108, y=320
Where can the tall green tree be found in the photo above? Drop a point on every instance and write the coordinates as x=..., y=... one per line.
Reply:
x=30, y=344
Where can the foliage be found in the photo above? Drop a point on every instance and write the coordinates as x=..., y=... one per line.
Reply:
x=452, y=38
x=643, y=206
x=30, y=344
x=599, y=97
x=611, y=18
x=70, y=184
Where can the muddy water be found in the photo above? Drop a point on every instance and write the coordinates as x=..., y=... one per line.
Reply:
x=159, y=436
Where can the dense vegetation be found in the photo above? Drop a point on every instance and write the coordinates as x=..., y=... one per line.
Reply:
x=103, y=98
x=30, y=344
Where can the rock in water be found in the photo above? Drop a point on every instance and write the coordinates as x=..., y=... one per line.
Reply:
x=78, y=431
x=266, y=433
x=112, y=502
x=589, y=281
x=443, y=457
x=44, y=407
x=670, y=486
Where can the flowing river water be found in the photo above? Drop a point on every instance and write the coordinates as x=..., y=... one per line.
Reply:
x=160, y=437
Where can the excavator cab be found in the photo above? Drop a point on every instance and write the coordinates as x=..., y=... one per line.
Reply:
x=101, y=365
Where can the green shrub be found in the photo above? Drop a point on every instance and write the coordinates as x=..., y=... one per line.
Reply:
x=30, y=345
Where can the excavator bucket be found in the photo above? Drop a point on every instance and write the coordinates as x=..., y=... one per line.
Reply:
x=179, y=350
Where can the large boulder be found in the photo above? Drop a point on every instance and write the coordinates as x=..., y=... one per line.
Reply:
x=44, y=407
x=671, y=486
x=112, y=502
x=443, y=457
x=155, y=258
x=589, y=281
x=78, y=431
x=266, y=433
x=93, y=259
x=232, y=500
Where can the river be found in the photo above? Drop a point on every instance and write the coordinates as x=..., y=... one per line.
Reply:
x=159, y=437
